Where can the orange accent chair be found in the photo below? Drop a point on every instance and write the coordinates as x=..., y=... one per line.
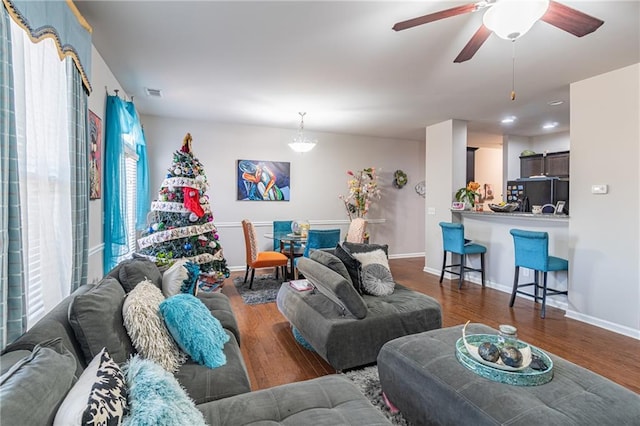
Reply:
x=260, y=259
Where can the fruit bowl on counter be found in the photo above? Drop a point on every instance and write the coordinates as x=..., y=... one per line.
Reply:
x=503, y=208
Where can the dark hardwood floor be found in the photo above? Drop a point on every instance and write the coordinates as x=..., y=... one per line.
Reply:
x=273, y=357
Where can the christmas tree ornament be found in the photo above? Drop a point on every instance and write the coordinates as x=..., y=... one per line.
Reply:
x=161, y=226
x=193, y=217
x=191, y=201
x=154, y=226
x=188, y=246
x=203, y=200
x=177, y=171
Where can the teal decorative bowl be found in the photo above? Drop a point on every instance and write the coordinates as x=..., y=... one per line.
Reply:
x=525, y=377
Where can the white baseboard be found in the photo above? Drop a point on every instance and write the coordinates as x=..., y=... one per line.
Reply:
x=607, y=325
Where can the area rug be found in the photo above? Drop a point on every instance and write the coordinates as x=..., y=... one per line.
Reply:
x=265, y=289
x=367, y=380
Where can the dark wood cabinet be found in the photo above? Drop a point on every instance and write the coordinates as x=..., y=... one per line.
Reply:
x=531, y=165
x=552, y=164
x=557, y=164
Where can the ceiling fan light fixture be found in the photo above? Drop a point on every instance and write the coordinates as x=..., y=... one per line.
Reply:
x=511, y=19
x=300, y=142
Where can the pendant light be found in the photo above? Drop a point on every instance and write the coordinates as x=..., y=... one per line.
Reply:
x=300, y=142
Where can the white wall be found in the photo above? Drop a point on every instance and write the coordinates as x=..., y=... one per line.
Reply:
x=605, y=229
x=553, y=142
x=446, y=156
x=317, y=179
x=488, y=166
x=101, y=78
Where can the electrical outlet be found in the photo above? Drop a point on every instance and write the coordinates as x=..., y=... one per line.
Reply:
x=525, y=272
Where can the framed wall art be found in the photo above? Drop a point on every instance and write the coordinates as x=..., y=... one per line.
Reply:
x=263, y=180
x=95, y=156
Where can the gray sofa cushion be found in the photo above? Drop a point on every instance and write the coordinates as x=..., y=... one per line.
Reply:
x=332, y=262
x=328, y=400
x=54, y=324
x=33, y=389
x=96, y=319
x=206, y=384
x=347, y=342
x=334, y=286
x=220, y=307
x=130, y=272
x=422, y=377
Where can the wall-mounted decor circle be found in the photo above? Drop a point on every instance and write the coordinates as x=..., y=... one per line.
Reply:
x=399, y=179
x=420, y=189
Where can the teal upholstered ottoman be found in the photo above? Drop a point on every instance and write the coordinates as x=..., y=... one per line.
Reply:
x=422, y=377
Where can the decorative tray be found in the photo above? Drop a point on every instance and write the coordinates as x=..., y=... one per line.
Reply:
x=524, y=376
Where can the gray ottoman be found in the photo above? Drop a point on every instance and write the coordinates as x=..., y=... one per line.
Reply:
x=328, y=400
x=422, y=377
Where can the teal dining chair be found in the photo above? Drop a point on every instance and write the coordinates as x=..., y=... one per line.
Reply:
x=319, y=239
x=532, y=252
x=453, y=241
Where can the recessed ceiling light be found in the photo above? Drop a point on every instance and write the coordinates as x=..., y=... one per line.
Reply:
x=550, y=125
x=509, y=120
x=555, y=103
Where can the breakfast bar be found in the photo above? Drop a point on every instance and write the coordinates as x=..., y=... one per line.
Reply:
x=491, y=229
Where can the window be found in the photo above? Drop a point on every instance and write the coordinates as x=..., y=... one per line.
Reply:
x=131, y=164
x=42, y=117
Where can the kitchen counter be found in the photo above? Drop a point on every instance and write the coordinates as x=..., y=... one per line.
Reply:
x=514, y=215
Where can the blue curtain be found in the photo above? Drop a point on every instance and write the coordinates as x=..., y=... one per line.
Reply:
x=142, y=171
x=12, y=288
x=122, y=119
x=79, y=140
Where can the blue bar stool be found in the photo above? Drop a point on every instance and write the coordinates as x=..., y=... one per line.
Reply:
x=453, y=241
x=532, y=252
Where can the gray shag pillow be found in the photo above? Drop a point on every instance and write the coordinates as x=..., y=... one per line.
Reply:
x=146, y=328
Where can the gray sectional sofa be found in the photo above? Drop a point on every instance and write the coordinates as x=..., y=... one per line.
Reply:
x=345, y=328
x=222, y=394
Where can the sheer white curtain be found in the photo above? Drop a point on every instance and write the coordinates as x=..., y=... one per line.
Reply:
x=44, y=170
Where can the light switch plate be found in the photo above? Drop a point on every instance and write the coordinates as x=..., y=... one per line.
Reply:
x=599, y=189
x=431, y=210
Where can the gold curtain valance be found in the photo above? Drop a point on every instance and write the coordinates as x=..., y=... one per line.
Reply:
x=61, y=21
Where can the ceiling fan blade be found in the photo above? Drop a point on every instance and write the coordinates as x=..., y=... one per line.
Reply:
x=454, y=11
x=570, y=20
x=474, y=44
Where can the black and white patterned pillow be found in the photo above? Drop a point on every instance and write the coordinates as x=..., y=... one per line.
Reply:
x=99, y=397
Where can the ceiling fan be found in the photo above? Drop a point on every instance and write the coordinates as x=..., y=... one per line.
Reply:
x=510, y=19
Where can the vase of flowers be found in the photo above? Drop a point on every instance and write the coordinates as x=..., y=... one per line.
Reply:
x=363, y=190
x=468, y=194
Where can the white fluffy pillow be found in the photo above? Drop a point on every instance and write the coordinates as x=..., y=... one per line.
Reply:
x=375, y=272
x=147, y=330
x=173, y=278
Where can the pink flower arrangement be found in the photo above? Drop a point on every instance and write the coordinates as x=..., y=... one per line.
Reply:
x=363, y=189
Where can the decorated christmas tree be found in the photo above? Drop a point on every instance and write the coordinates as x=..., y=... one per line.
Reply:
x=180, y=222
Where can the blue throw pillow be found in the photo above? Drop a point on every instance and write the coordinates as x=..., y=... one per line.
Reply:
x=156, y=397
x=196, y=331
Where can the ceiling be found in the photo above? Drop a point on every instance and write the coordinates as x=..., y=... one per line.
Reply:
x=260, y=63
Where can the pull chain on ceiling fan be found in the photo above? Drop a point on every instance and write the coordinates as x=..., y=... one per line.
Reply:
x=500, y=16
